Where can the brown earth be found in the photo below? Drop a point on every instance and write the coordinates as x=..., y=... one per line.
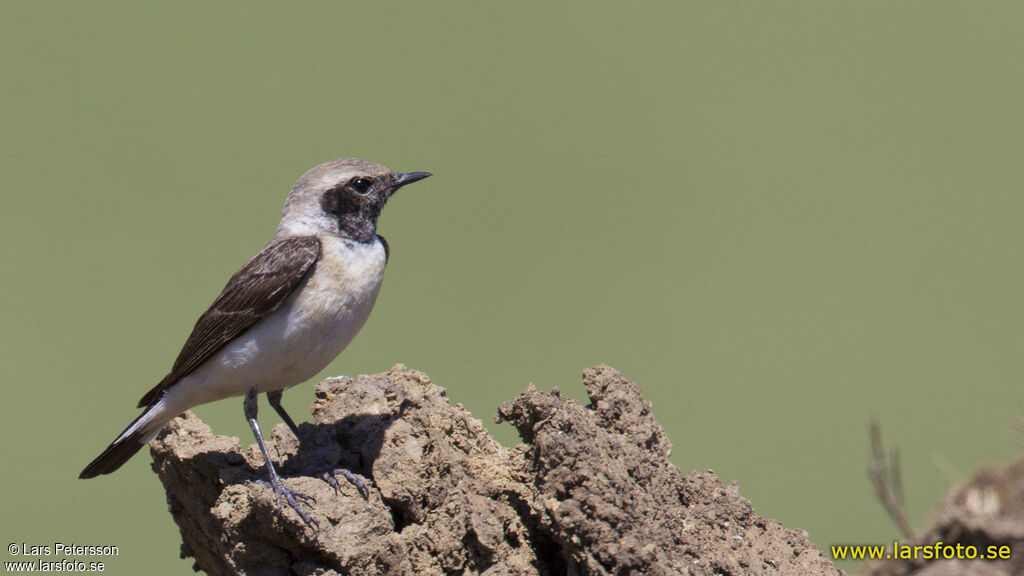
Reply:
x=591, y=491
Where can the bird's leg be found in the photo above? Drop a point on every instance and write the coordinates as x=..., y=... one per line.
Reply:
x=274, y=398
x=280, y=490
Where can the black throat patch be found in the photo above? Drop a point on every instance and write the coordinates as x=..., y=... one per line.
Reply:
x=356, y=215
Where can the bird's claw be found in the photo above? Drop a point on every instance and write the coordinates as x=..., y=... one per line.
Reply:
x=360, y=485
x=293, y=498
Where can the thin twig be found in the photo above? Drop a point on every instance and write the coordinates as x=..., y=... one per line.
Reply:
x=887, y=479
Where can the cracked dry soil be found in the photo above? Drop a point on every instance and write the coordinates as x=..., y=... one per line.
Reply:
x=590, y=491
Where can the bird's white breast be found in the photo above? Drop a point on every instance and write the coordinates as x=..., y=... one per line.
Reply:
x=330, y=309
x=305, y=334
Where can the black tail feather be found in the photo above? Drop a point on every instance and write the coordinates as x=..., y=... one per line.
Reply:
x=117, y=453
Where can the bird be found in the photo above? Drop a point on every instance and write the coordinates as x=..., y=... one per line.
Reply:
x=284, y=316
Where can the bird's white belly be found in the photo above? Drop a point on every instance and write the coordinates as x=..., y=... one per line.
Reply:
x=301, y=337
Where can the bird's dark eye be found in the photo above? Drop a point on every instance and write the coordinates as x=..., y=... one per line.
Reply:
x=361, y=185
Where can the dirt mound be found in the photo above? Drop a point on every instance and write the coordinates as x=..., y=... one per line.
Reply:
x=590, y=492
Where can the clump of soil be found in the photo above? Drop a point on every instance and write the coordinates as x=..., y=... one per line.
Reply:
x=591, y=491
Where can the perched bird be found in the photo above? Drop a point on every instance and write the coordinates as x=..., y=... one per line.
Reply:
x=285, y=315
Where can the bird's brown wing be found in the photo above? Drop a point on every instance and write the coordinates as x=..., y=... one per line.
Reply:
x=259, y=288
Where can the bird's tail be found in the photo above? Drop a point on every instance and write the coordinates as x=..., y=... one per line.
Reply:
x=135, y=436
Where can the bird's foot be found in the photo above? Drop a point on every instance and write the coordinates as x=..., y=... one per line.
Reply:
x=331, y=478
x=293, y=498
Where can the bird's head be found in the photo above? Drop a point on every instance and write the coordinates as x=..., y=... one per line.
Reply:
x=342, y=197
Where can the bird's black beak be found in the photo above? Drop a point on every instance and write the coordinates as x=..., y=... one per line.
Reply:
x=409, y=178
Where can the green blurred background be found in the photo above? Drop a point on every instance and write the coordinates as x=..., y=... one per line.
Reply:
x=780, y=219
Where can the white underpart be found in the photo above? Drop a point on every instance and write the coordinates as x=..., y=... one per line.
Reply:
x=291, y=345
